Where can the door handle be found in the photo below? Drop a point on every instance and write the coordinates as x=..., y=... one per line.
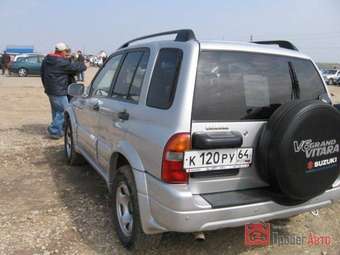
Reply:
x=123, y=115
x=96, y=106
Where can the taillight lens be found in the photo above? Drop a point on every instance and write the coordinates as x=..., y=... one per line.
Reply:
x=173, y=154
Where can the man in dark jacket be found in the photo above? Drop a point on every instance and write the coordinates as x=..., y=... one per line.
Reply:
x=5, y=61
x=55, y=74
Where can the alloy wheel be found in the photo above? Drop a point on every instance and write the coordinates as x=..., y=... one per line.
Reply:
x=68, y=142
x=22, y=72
x=124, y=208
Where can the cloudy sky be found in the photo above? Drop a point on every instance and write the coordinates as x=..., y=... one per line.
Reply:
x=313, y=25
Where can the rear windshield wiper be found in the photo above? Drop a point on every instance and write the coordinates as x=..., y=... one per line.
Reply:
x=295, y=82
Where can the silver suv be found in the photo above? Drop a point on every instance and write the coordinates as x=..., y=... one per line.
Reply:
x=194, y=136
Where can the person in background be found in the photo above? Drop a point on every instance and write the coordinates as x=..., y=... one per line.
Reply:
x=103, y=55
x=70, y=57
x=5, y=61
x=55, y=75
x=80, y=59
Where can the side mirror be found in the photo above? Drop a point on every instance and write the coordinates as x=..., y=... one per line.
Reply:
x=76, y=89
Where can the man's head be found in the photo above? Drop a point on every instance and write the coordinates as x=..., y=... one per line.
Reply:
x=79, y=52
x=62, y=49
x=68, y=54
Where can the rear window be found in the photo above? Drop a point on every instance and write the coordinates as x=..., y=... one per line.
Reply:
x=244, y=86
x=164, y=78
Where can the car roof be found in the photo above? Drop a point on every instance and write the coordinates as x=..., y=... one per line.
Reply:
x=28, y=55
x=250, y=47
x=224, y=46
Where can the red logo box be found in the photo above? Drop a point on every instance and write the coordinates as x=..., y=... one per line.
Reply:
x=257, y=234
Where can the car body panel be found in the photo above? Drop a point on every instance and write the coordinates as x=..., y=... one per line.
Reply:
x=87, y=122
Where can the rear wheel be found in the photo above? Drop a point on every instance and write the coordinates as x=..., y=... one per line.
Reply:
x=331, y=82
x=22, y=72
x=125, y=213
x=73, y=157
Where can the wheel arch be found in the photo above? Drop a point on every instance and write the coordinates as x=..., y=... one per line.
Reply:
x=119, y=158
x=125, y=153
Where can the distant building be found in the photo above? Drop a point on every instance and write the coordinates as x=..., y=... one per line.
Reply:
x=19, y=49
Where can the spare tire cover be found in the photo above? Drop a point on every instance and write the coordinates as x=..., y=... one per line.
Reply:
x=298, y=149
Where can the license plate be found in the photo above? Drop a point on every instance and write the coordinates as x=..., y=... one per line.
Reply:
x=204, y=160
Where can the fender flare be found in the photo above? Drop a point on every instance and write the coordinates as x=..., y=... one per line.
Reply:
x=125, y=153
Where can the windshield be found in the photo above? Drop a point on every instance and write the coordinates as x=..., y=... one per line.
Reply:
x=241, y=86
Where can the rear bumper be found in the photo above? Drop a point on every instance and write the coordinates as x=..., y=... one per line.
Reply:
x=198, y=215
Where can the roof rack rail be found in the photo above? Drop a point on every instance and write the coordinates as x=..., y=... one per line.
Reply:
x=280, y=43
x=183, y=35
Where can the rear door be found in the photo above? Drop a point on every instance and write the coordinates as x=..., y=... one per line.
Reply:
x=33, y=65
x=118, y=112
x=235, y=94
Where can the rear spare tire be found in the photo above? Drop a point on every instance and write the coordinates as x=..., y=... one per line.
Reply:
x=298, y=149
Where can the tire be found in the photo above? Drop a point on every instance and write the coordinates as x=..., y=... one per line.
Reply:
x=331, y=82
x=298, y=150
x=124, y=201
x=22, y=72
x=73, y=158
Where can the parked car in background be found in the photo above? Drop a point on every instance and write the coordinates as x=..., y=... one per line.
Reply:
x=337, y=82
x=330, y=76
x=20, y=57
x=323, y=71
x=88, y=58
x=27, y=65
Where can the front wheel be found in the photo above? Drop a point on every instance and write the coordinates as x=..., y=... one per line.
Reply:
x=331, y=82
x=125, y=213
x=73, y=157
x=22, y=72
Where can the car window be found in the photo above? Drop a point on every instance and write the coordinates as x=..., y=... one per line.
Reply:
x=21, y=59
x=32, y=60
x=243, y=86
x=102, y=83
x=164, y=78
x=137, y=82
x=309, y=79
x=126, y=74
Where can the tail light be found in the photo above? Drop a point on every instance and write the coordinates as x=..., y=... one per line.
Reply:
x=173, y=155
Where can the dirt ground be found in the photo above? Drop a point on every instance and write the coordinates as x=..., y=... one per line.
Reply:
x=47, y=207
